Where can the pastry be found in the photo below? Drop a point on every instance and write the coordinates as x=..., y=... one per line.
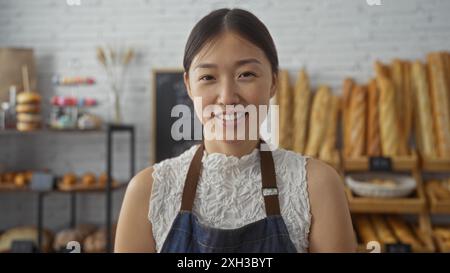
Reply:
x=388, y=118
x=28, y=108
x=357, y=130
x=96, y=242
x=302, y=95
x=25, y=233
x=88, y=179
x=28, y=98
x=77, y=234
x=318, y=120
x=20, y=180
x=27, y=126
x=423, y=115
x=69, y=179
x=373, y=146
x=440, y=191
x=439, y=102
x=27, y=117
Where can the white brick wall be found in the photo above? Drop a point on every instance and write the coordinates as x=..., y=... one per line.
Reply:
x=332, y=39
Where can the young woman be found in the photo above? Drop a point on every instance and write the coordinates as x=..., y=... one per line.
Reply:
x=231, y=195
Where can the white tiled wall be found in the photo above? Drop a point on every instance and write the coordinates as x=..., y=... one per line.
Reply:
x=331, y=38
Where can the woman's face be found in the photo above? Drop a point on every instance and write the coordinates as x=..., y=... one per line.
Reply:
x=227, y=72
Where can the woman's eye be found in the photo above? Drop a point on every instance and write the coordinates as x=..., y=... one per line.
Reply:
x=206, y=78
x=247, y=74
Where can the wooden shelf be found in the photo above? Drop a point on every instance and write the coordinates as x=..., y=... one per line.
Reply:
x=435, y=164
x=421, y=228
x=12, y=188
x=413, y=204
x=435, y=205
x=399, y=163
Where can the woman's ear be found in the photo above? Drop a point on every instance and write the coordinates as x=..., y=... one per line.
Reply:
x=273, y=88
x=186, y=83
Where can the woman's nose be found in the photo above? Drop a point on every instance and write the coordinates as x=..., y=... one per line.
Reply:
x=228, y=93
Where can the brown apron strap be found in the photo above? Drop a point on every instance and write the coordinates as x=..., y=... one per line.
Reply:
x=268, y=177
x=190, y=184
x=269, y=182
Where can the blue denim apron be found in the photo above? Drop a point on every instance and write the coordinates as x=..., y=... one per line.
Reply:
x=268, y=235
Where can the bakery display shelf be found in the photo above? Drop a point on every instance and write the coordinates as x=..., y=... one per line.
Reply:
x=421, y=229
x=437, y=206
x=416, y=203
x=109, y=131
x=435, y=164
x=51, y=131
x=11, y=188
x=398, y=163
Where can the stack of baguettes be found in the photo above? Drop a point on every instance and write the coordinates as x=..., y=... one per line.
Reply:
x=377, y=117
x=308, y=123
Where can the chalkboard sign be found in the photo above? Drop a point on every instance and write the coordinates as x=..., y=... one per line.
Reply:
x=168, y=91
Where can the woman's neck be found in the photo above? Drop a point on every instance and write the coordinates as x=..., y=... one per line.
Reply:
x=235, y=148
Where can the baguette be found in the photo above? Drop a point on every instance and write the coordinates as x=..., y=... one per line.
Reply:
x=365, y=230
x=388, y=119
x=358, y=111
x=285, y=103
x=439, y=103
x=382, y=230
x=347, y=88
x=373, y=123
x=423, y=116
x=328, y=149
x=302, y=97
x=318, y=121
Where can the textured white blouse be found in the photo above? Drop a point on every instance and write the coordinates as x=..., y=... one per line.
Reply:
x=229, y=193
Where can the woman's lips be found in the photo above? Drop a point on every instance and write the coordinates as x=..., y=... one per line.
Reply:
x=230, y=119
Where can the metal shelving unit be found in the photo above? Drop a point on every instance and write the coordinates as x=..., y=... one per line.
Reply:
x=109, y=130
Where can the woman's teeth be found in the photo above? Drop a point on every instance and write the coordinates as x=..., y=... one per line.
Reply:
x=230, y=118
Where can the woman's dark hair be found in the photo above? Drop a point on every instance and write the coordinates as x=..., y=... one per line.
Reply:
x=239, y=21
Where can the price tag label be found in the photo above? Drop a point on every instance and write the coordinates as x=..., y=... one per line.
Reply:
x=380, y=163
x=398, y=248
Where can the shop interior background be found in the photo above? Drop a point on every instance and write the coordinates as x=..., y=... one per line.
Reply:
x=332, y=39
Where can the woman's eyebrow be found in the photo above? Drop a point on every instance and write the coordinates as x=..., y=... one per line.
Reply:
x=237, y=64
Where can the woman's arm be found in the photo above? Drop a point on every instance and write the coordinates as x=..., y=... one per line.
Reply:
x=134, y=230
x=331, y=225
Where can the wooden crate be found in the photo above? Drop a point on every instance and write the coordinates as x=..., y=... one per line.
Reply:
x=399, y=163
x=413, y=204
x=435, y=164
x=436, y=205
x=422, y=230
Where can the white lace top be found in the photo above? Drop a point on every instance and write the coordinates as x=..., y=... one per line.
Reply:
x=229, y=193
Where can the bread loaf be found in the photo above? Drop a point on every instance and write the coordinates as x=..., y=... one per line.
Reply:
x=373, y=121
x=347, y=88
x=388, y=118
x=423, y=117
x=439, y=102
x=364, y=229
x=318, y=120
x=357, y=116
x=382, y=230
x=403, y=232
x=302, y=95
x=284, y=98
x=402, y=102
x=328, y=148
